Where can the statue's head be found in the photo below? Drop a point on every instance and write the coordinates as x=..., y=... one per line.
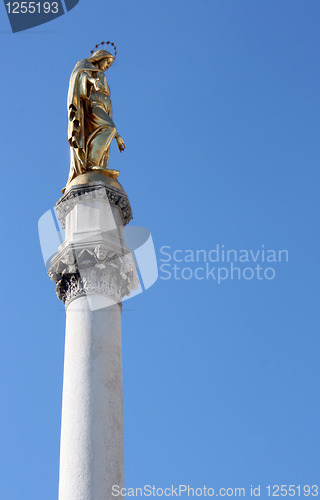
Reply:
x=102, y=59
x=101, y=252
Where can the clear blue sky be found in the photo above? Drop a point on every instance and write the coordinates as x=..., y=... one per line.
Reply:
x=218, y=103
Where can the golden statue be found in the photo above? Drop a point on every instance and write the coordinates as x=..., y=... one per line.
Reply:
x=91, y=128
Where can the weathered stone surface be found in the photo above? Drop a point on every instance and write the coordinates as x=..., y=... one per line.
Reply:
x=91, y=452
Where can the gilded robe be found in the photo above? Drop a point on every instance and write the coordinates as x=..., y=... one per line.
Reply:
x=90, y=128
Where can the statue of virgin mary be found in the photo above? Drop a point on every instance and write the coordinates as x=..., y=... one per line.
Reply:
x=91, y=128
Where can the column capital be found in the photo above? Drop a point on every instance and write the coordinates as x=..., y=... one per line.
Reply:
x=94, y=258
x=97, y=190
x=93, y=271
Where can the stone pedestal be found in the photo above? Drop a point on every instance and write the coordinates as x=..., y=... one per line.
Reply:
x=93, y=270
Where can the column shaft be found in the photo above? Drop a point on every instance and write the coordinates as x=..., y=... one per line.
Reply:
x=91, y=455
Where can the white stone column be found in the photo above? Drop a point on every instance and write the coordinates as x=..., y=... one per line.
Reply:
x=91, y=454
x=93, y=270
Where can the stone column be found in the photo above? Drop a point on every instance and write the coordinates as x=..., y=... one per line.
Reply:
x=93, y=270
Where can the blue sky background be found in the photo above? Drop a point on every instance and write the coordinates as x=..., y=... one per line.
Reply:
x=218, y=104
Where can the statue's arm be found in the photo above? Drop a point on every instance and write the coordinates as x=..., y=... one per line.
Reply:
x=86, y=80
x=120, y=143
x=94, y=81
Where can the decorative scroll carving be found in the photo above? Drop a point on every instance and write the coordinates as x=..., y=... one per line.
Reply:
x=94, y=271
x=99, y=191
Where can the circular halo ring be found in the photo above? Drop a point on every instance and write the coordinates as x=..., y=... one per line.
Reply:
x=106, y=43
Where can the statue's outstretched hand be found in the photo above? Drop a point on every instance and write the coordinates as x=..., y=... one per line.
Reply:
x=96, y=84
x=121, y=144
